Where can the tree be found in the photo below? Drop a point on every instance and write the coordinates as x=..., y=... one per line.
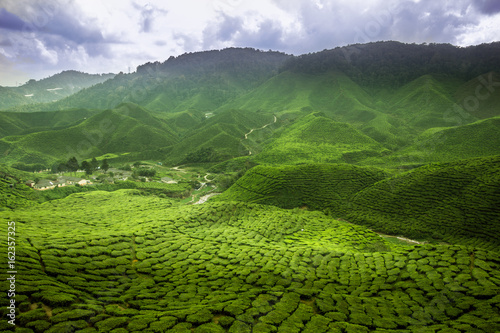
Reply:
x=94, y=164
x=105, y=165
x=72, y=164
x=87, y=167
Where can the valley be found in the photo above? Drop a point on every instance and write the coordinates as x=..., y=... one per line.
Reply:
x=239, y=190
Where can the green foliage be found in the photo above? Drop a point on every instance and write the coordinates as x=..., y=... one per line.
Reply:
x=203, y=155
x=13, y=191
x=45, y=90
x=313, y=186
x=105, y=165
x=137, y=263
x=453, y=202
x=316, y=139
x=127, y=128
x=267, y=255
x=145, y=172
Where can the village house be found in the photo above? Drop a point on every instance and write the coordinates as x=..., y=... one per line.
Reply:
x=30, y=183
x=46, y=184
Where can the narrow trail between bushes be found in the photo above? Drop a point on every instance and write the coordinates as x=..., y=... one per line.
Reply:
x=400, y=238
x=204, y=198
x=254, y=129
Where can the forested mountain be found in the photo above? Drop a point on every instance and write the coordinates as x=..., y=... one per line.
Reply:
x=202, y=81
x=49, y=89
x=392, y=64
x=127, y=128
x=211, y=100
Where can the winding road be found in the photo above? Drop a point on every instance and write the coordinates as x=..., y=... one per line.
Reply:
x=254, y=129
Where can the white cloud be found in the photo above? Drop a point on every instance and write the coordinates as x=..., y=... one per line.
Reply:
x=486, y=31
x=49, y=56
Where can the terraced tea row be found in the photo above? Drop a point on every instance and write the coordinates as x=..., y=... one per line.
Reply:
x=144, y=264
x=455, y=202
x=317, y=186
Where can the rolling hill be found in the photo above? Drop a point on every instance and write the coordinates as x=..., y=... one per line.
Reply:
x=19, y=123
x=439, y=144
x=128, y=128
x=333, y=161
x=200, y=80
x=317, y=139
x=224, y=133
x=455, y=202
x=49, y=89
x=311, y=186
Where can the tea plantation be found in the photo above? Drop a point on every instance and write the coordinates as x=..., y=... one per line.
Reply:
x=122, y=262
x=456, y=202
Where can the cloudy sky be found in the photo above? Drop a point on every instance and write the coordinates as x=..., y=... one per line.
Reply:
x=40, y=38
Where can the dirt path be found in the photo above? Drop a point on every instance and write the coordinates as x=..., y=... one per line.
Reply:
x=254, y=129
x=403, y=239
x=176, y=168
x=204, y=198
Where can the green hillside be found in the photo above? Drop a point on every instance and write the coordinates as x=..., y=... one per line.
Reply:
x=455, y=202
x=13, y=191
x=17, y=123
x=312, y=186
x=224, y=133
x=49, y=89
x=481, y=138
x=132, y=263
x=424, y=101
x=332, y=92
x=128, y=128
x=349, y=190
x=316, y=139
x=392, y=116
x=478, y=95
x=199, y=80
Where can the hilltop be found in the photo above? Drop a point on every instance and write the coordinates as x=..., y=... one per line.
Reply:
x=49, y=89
x=317, y=139
x=128, y=128
x=201, y=80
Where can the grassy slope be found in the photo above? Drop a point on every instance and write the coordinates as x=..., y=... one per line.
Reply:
x=383, y=115
x=316, y=186
x=481, y=138
x=485, y=89
x=16, y=123
x=316, y=139
x=144, y=264
x=224, y=132
x=13, y=192
x=42, y=91
x=332, y=93
x=423, y=102
x=127, y=128
x=455, y=202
